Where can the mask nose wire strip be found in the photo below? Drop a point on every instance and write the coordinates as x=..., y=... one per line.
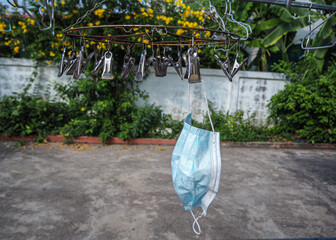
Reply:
x=206, y=103
x=196, y=222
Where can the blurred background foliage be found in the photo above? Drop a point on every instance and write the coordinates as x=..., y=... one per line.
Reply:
x=274, y=29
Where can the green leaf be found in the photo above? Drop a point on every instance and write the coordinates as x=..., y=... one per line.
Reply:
x=283, y=29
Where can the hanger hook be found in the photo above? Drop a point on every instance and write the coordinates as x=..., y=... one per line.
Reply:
x=289, y=4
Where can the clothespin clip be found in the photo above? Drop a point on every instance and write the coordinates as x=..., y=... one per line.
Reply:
x=160, y=64
x=70, y=68
x=177, y=65
x=128, y=64
x=141, y=69
x=225, y=66
x=79, y=63
x=86, y=61
x=194, y=74
x=108, y=66
x=237, y=66
x=185, y=59
x=64, y=62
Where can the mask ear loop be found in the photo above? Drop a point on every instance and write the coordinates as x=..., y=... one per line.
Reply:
x=196, y=222
x=206, y=103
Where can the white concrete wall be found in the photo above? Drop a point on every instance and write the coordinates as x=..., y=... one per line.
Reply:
x=249, y=91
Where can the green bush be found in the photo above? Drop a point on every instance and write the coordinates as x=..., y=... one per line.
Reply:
x=235, y=127
x=30, y=114
x=306, y=108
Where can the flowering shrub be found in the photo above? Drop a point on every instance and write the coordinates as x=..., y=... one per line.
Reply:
x=25, y=40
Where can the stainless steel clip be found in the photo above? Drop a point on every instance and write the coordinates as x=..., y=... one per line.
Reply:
x=160, y=64
x=79, y=63
x=63, y=64
x=108, y=66
x=185, y=59
x=225, y=67
x=237, y=66
x=98, y=65
x=143, y=66
x=194, y=74
x=177, y=65
x=70, y=68
x=86, y=62
x=128, y=64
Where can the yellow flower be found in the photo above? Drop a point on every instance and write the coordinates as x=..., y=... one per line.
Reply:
x=95, y=120
x=42, y=53
x=42, y=10
x=149, y=46
x=83, y=109
x=7, y=12
x=63, y=2
x=49, y=62
x=90, y=24
x=55, y=4
x=98, y=22
x=16, y=49
x=150, y=11
x=52, y=54
x=127, y=17
x=2, y=26
x=75, y=11
x=99, y=12
x=68, y=16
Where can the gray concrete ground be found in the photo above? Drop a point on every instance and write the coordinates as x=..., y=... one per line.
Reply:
x=54, y=191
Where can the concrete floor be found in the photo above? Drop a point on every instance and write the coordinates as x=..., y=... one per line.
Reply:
x=55, y=191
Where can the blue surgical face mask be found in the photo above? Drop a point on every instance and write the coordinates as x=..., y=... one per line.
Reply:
x=196, y=166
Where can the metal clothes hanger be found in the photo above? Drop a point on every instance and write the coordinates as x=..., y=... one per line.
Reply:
x=50, y=14
x=312, y=32
x=246, y=26
x=10, y=25
x=311, y=23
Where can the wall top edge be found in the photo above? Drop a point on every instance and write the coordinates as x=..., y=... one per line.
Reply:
x=204, y=71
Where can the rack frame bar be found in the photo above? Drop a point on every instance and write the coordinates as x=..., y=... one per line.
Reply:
x=327, y=8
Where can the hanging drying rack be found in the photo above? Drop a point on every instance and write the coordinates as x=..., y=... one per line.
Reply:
x=219, y=37
x=290, y=3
